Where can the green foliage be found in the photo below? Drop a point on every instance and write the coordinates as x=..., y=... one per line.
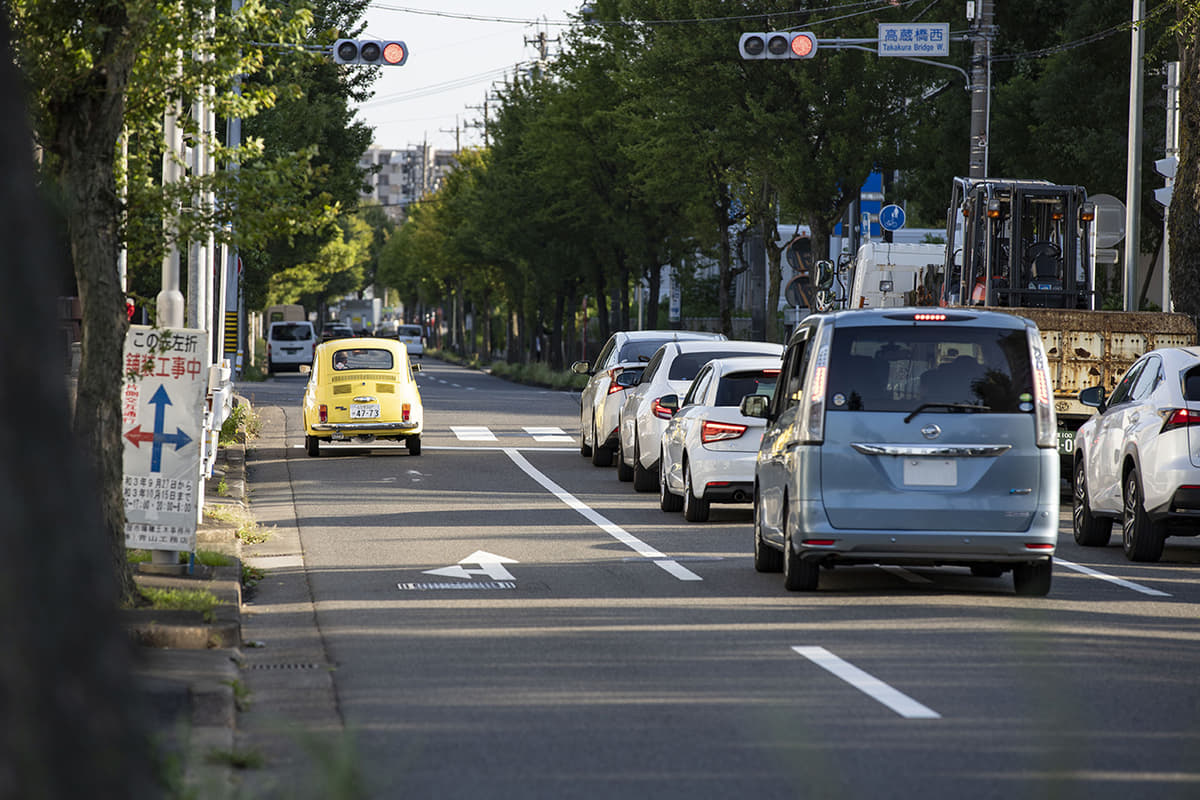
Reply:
x=200, y=600
x=242, y=425
x=538, y=374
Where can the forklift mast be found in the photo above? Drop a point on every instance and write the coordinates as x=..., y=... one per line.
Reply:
x=1019, y=244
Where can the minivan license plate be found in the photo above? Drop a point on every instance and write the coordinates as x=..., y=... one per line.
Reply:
x=930, y=472
x=364, y=411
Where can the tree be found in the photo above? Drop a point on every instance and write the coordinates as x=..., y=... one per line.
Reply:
x=1184, y=220
x=93, y=71
x=64, y=675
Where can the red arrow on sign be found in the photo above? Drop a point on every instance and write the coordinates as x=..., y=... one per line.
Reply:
x=137, y=436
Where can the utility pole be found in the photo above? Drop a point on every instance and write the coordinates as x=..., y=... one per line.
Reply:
x=457, y=129
x=542, y=43
x=484, y=124
x=1133, y=166
x=981, y=84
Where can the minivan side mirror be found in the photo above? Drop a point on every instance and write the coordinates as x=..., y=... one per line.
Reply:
x=1093, y=396
x=754, y=405
x=581, y=368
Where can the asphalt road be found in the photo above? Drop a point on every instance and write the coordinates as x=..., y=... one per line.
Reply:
x=503, y=619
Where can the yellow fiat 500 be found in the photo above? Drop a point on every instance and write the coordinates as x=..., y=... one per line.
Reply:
x=361, y=391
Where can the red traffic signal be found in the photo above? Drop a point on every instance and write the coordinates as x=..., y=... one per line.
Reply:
x=370, y=52
x=777, y=45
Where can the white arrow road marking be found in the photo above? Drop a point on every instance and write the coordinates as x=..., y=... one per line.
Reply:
x=489, y=564
x=473, y=433
x=549, y=435
x=894, y=699
x=616, y=531
x=1095, y=573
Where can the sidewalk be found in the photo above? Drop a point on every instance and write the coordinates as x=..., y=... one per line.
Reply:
x=189, y=665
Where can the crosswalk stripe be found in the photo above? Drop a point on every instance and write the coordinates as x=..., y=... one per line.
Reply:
x=544, y=434
x=473, y=433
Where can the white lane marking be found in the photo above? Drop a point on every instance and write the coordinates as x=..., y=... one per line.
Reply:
x=866, y=683
x=473, y=433
x=490, y=564
x=597, y=519
x=1095, y=573
x=549, y=435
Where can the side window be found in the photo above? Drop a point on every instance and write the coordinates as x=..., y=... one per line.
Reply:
x=652, y=366
x=699, y=387
x=1121, y=393
x=605, y=355
x=1148, y=379
x=791, y=377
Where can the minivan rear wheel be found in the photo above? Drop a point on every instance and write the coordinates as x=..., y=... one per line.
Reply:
x=799, y=575
x=1090, y=530
x=766, y=558
x=1032, y=579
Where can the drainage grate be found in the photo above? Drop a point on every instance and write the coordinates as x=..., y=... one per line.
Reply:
x=285, y=666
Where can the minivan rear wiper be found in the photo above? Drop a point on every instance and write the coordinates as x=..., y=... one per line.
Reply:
x=948, y=407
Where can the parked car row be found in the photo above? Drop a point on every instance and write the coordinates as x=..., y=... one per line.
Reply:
x=910, y=437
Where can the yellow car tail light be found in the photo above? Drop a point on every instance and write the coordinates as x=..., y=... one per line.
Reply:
x=324, y=412
x=405, y=411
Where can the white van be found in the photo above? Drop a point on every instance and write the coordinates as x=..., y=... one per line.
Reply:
x=290, y=345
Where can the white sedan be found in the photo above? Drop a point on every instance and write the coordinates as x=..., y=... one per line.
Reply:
x=709, y=448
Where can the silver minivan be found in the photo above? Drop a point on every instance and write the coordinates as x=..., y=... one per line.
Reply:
x=913, y=437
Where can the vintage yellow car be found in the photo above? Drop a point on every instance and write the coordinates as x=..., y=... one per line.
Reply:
x=361, y=391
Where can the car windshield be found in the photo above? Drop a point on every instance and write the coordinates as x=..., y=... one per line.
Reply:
x=639, y=351
x=295, y=332
x=892, y=368
x=736, y=385
x=363, y=358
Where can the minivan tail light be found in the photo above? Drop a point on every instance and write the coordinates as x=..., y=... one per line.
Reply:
x=1045, y=425
x=1174, y=418
x=812, y=411
x=719, y=431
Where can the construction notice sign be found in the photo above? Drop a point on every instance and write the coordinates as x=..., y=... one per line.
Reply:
x=163, y=399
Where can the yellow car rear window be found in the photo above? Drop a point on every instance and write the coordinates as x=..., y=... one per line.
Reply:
x=363, y=358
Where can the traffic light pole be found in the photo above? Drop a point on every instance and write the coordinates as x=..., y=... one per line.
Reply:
x=981, y=90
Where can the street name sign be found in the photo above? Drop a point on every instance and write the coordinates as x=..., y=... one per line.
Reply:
x=913, y=39
x=162, y=420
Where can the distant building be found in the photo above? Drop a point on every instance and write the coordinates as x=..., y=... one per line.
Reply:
x=404, y=176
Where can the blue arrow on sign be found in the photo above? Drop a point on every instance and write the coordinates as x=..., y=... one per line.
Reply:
x=160, y=401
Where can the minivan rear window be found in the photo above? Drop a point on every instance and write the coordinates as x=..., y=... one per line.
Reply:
x=895, y=368
x=296, y=332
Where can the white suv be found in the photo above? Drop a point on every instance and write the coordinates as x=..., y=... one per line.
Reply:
x=624, y=350
x=290, y=345
x=1138, y=460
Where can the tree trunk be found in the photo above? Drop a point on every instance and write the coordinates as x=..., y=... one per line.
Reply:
x=1184, y=223
x=774, y=279
x=84, y=154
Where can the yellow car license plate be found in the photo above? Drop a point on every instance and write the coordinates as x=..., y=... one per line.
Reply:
x=364, y=411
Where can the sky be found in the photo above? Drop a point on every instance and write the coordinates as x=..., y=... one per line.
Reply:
x=457, y=51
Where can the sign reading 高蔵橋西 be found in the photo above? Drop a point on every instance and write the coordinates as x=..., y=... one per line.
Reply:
x=162, y=413
x=911, y=39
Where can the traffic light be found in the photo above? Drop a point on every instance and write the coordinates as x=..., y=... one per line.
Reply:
x=369, y=51
x=777, y=44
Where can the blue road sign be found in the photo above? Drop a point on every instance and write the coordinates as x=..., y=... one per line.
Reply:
x=891, y=217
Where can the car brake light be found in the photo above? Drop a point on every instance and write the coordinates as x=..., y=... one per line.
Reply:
x=405, y=411
x=818, y=542
x=929, y=317
x=770, y=372
x=812, y=413
x=1038, y=546
x=659, y=410
x=1179, y=418
x=613, y=386
x=324, y=412
x=717, y=431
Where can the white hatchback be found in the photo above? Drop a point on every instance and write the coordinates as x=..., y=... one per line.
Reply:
x=1138, y=459
x=710, y=448
x=643, y=418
